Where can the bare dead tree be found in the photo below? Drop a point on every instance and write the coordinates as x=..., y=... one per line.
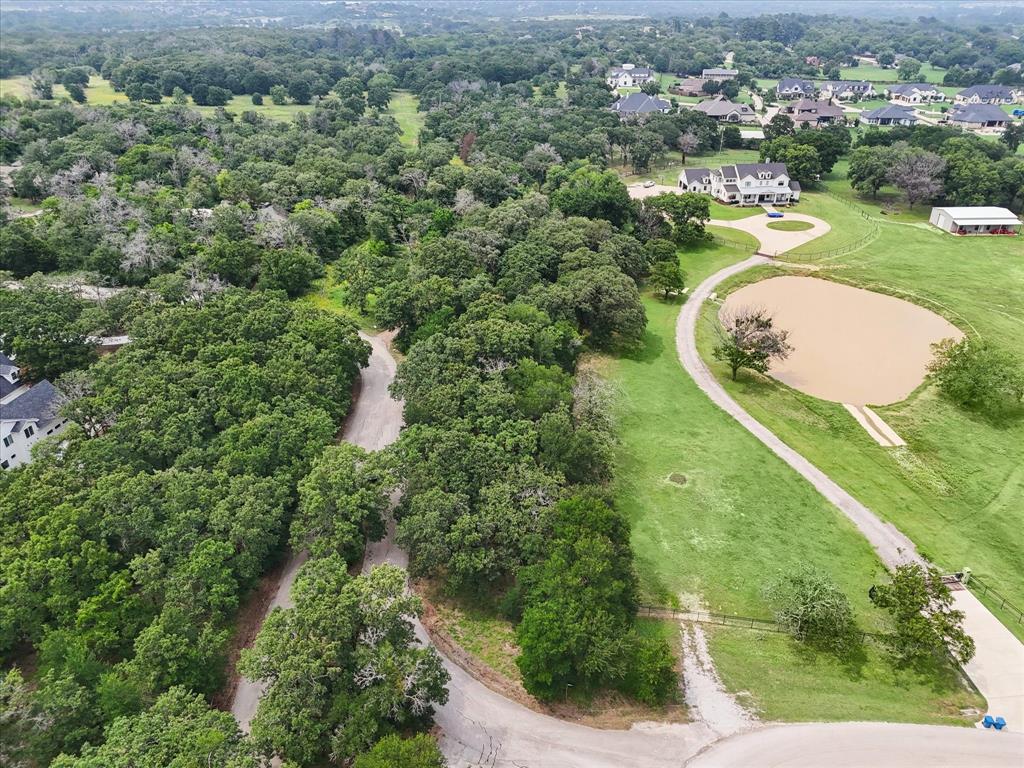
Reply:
x=918, y=174
x=688, y=144
x=748, y=338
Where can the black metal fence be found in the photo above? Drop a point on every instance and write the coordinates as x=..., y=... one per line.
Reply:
x=839, y=250
x=708, y=617
x=995, y=598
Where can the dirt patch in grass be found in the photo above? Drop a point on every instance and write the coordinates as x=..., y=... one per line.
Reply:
x=850, y=345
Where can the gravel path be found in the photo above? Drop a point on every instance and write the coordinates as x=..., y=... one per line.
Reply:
x=373, y=422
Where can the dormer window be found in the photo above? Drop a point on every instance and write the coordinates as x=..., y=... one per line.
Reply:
x=764, y=174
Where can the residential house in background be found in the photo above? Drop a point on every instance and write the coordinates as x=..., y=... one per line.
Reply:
x=743, y=184
x=719, y=74
x=726, y=111
x=814, y=113
x=844, y=90
x=689, y=86
x=984, y=94
x=977, y=116
x=27, y=414
x=794, y=88
x=891, y=114
x=629, y=76
x=639, y=104
x=914, y=93
x=975, y=220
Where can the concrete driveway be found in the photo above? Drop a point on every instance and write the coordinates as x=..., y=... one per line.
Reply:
x=998, y=665
x=858, y=745
x=776, y=241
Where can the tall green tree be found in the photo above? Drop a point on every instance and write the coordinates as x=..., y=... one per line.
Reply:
x=343, y=668
x=926, y=624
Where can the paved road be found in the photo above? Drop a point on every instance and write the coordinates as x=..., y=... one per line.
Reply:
x=777, y=241
x=858, y=745
x=373, y=422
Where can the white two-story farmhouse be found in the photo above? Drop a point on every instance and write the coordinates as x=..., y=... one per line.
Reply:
x=629, y=76
x=743, y=183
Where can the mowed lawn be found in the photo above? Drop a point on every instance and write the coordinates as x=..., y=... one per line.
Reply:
x=404, y=108
x=667, y=171
x=101, y=93
x=876, y=74
x=741, y=519
x=957, y=489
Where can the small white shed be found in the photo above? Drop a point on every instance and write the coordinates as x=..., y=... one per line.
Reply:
x=976, y=220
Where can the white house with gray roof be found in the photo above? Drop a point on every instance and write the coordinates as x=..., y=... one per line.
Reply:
x=629, y=76
x=914, y=93
x=27, y=414
x=743, y=183
x=844, y=90
x=794, y=88
x=890, y=114
x=984, y=94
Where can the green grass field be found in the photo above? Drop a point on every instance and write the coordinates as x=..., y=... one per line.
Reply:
x=731, y=213
x=723, y=535
x=403, y=108
x=957, y=489
x=781, y=681
x=790, y=226
x=101, y=93
x=876, y=74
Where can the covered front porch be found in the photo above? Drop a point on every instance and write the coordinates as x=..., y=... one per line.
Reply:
x=769, y=198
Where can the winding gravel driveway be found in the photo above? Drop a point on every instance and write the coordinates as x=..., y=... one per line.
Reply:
x=373, y=422
x=892, y=546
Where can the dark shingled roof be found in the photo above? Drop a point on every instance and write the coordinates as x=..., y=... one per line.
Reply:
x=41, y=402
x=890, y=112
x=787, y=83
x=640, y=103
x=986, y=92
x=742, y=169
x=910, y=87
x=978, y=113
x=696, y=174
